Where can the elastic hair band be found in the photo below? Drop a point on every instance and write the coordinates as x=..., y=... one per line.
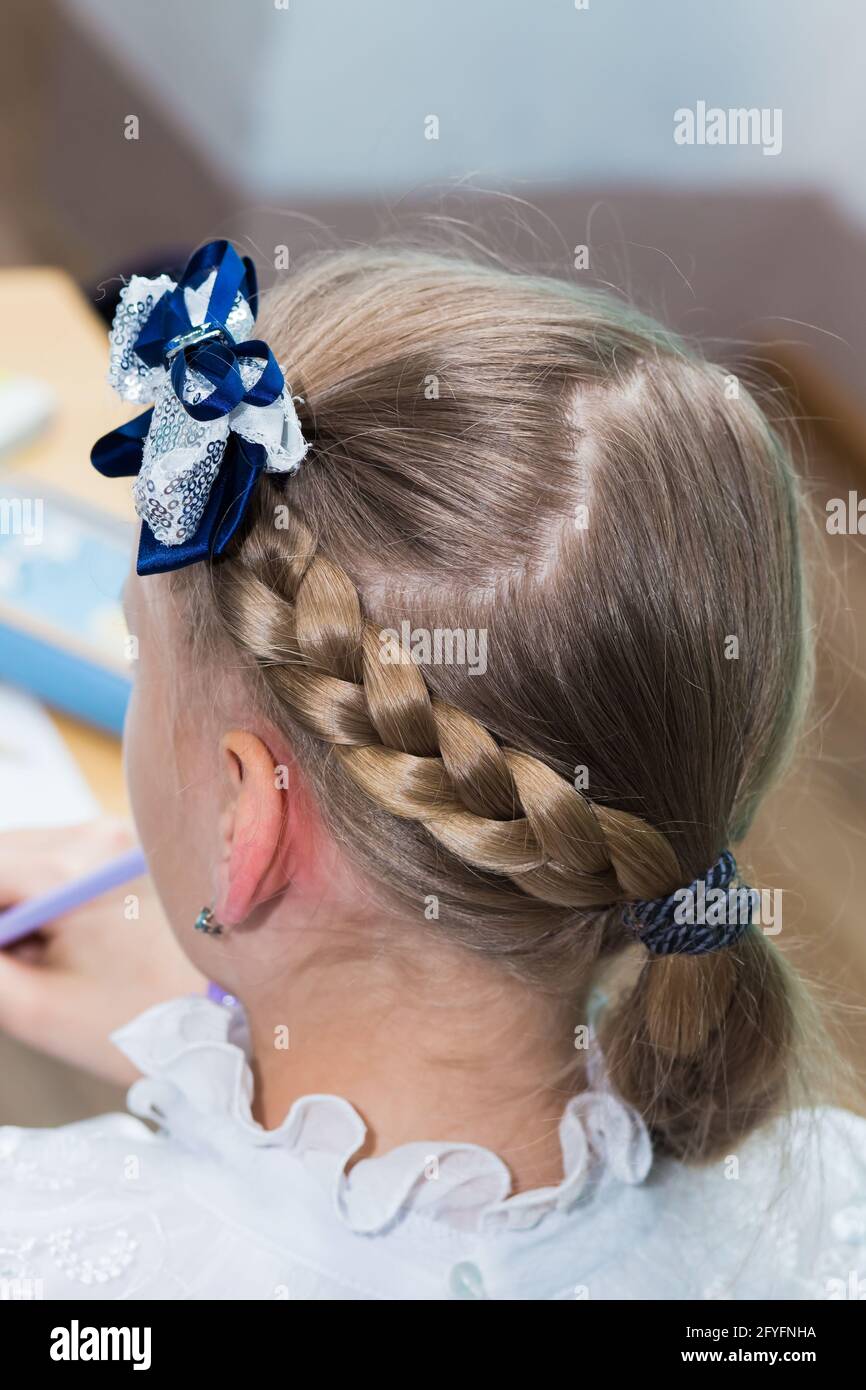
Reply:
x=656, y=921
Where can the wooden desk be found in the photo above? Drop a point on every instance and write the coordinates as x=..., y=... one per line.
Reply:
x=49, y=330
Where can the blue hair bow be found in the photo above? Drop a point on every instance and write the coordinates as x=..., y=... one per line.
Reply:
x=221, y=414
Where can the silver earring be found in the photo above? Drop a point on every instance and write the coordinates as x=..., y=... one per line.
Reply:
x=206, y=922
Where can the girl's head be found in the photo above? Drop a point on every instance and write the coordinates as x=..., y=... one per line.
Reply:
x=590, y=535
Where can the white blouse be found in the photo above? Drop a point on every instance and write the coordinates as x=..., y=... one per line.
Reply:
x=211, y=1205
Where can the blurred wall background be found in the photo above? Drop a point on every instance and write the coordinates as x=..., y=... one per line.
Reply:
x=294, y=122
x=326, y=97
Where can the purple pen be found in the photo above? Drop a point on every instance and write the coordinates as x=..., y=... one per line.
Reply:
x=37, y=912
x=29, y=916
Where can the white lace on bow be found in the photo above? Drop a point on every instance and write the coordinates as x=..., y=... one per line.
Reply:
x=182, y=455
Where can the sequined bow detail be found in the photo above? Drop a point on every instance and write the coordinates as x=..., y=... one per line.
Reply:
x=221, y=415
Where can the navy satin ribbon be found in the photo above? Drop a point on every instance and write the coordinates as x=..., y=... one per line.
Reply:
x=169, y=317
x=241, y=467
x=119, y=453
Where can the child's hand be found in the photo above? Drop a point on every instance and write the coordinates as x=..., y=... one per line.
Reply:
x=65, y=988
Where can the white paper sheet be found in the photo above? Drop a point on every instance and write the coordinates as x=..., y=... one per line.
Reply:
x=40, y=783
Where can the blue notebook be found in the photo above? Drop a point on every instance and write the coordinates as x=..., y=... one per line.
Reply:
x=62, y=634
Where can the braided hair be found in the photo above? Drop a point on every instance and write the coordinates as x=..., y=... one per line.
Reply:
x=511, y=454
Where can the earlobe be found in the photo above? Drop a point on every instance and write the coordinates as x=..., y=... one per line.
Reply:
x=253, y=855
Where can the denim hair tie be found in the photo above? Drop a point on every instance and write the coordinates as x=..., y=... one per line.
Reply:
x=654, y=921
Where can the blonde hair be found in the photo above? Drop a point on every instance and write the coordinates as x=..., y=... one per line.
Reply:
x=514, y=455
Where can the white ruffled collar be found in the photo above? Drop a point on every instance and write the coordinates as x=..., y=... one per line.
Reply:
x=198, y=1085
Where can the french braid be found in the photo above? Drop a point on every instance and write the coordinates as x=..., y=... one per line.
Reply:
x=422, y=759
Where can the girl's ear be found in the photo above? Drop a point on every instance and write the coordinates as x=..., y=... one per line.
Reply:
x=254, y=849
